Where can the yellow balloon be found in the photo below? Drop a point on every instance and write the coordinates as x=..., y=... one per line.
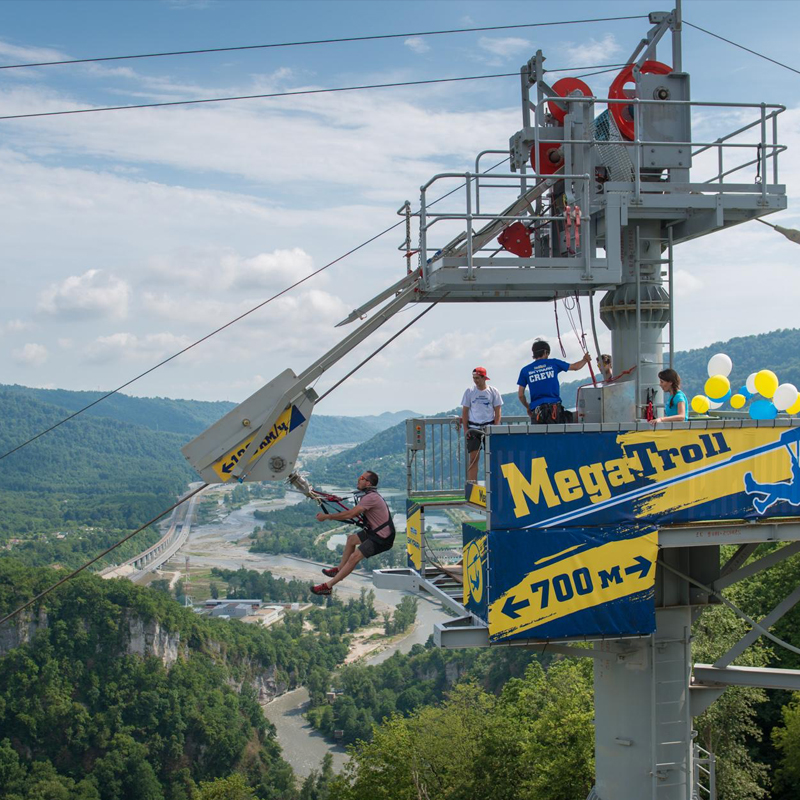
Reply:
x=700, y=404
x=738, y=401
x=766, y=382
x=793, y=409
x=718, y=386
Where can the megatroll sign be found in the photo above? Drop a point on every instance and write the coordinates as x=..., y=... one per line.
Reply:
x=572, y=540
x=670, y=476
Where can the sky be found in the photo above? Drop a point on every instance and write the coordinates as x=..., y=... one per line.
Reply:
x=127, y=235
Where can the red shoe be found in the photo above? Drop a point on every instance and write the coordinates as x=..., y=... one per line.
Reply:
x=321, y=589
x=330, y=572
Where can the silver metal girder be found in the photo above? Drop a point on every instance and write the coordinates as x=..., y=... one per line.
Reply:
x=751, y=636
x=729, y=533
x=738, y=559
x=751, y=569
x=410, y=580
x=759, y=677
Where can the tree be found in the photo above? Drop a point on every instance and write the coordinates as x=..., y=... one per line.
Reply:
x=234, y=787
x=729, y=726
x=786, y=738
x=213, y=590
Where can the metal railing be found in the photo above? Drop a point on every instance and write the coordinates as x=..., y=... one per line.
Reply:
x=440, y=466
x=705, y=777
x=766, y=147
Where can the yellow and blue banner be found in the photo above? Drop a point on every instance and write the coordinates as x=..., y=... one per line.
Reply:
x=475, y=570
x=290, y=419
x=671, y=476
x=569, y=582
x=414, y=522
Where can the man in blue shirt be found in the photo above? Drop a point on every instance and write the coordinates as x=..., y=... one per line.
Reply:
x=541, y=379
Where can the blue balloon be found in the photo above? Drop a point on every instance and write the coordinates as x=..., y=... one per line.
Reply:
x=744, y=391
x=763, y=409
x=723, y=399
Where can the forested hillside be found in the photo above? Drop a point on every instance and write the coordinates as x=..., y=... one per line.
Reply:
x=191, y=417
x=85, y=715
x=385, y=452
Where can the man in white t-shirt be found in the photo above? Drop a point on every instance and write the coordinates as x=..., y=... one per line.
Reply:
x=480, y=406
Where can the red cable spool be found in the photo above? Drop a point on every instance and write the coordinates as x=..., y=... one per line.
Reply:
x=548, y=166
x=564, y=87
x=622, y=112
x=516, y=238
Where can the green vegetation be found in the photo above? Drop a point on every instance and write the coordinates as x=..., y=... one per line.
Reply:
x=534, y=741
x=84, y=716
x=247, y=583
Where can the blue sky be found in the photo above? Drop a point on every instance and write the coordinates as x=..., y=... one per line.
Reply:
x=129, y=234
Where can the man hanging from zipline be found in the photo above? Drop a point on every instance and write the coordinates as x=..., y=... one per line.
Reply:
x=375, y=535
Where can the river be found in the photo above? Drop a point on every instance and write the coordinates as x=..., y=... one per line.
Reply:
x=216, y=544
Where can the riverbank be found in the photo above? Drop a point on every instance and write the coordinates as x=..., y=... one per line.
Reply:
x=219, y=544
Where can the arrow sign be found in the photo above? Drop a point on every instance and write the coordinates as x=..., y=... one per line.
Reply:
x=641, y=565
x=511, y=609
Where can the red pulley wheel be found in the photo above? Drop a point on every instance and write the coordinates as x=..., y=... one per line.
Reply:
x=565, y=87
x=516, y=238
x=551, y=157
x=622, y=112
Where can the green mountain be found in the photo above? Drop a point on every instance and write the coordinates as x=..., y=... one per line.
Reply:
x=385, y=452
x=191, y=417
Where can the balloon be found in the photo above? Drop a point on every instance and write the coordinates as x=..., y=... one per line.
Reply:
x=793, y=409
x=717, y=387
x=745, y=392
x=766, y=383
x=720, y=364
x=763, y=409
x=751, y=383
x=785, y=395
x=700, y=404
x=738, y=401
x=713, y=405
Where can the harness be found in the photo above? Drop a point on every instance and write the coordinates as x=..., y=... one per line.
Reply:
x=361, y=519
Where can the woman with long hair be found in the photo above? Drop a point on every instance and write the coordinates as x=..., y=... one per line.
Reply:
x=676, y=406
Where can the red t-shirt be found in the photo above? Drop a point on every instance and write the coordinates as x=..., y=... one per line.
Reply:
x=376, y=511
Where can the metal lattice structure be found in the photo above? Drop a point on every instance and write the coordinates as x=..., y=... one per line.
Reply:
x=598, y=195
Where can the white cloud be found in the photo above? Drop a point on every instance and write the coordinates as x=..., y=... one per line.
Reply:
x=130, y=347
x=685, y=283
x=267, y=270
x=30, y=354
x=17, y=325
x=591, y=52
x=91, y=295
x=504, y=47
x=417, y=44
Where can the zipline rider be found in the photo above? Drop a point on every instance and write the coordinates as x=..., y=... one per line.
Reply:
x=541, y=378
x=376, y=531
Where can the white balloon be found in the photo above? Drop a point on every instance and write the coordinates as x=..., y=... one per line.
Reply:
x=720, y=364
x=713, y=405
x=751, y=383
x=785, y=396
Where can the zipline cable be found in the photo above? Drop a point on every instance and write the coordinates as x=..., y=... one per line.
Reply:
x=742, y=47
x=293, y=93
x=226, y=325
x=319, y=41
x=378, y=350
x=739, y=613
x=205, y=485
x=49, y=589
